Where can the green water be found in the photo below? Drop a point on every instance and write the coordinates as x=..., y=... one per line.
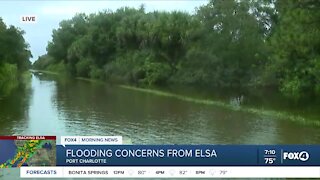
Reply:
x=59, y=106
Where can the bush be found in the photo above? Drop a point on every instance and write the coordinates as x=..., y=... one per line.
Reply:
x=96, y=73
x=8, y=78
x=60, y=68
x=43, y=62
x=156, y=73
x=83, y=67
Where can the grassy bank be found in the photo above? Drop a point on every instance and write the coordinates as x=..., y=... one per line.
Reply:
x=9, y=79
x=262, y=112
x=59, y=74
x=91, y=80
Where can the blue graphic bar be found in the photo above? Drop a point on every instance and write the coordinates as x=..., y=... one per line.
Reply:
x=188, y=155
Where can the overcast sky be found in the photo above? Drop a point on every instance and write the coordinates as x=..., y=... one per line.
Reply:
x=50, y=13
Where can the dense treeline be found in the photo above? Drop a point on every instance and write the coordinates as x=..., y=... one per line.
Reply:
x=295, y=62
x=229, y=43
x=14, y=57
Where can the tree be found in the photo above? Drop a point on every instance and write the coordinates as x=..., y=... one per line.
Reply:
x=229, y=43
x=296, y=47
x=14, y=57
x=232, y=49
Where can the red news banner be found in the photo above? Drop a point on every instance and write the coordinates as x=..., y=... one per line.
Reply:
x=17, y=151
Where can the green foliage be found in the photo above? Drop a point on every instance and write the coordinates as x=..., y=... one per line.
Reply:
x=68, y=32
x=43, y=62
x=281, y=115
x=96, y=73
x=127, y=67
x=59, y=68
x=233, y=48
x=14, y=57
x=8, y=78
x=296, y=48
x=83, y=67
x=14, y=49
x=229, y=43
x=156, y=73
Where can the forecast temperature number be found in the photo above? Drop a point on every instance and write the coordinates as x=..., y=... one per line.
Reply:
x=270, y=156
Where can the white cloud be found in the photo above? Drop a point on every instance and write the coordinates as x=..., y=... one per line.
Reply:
x=54, y=10
x=70, y=8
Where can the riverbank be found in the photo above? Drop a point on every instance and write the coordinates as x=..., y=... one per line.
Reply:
x=11, y=79
x=258, y=111
x=264, y=112
x=44, y=71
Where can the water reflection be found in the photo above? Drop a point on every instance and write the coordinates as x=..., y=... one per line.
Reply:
x=14, y=103
x=62, y=106
x=101, y=109
x=43, y=119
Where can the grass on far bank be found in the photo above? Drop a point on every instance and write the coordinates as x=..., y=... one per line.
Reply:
x=261, y=112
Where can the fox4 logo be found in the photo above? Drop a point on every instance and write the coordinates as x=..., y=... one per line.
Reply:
x=301, y=156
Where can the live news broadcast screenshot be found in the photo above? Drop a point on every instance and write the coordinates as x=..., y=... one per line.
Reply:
x=159, y=89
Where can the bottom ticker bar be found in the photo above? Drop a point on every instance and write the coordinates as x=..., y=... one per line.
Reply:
x=171, y=172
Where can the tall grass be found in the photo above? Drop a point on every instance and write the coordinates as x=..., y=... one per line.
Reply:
x=281, y=115
x=8, y=79
x=262, y=112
